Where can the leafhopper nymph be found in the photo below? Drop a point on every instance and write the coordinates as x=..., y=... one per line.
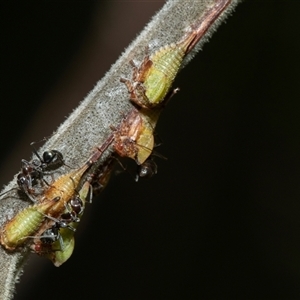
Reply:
x=152, y=81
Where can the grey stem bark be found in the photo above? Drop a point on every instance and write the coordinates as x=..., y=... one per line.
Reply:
x=90, y=123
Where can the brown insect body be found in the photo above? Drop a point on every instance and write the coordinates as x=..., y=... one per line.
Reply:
x=63, y=189
x=134, y=138
x=127, y=134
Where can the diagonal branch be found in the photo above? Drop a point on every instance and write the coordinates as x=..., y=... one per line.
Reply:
x=90, y=124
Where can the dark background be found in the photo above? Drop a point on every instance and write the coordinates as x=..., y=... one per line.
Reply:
x=221, y=218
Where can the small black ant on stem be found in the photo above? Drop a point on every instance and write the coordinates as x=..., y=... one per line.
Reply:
x=32, y=172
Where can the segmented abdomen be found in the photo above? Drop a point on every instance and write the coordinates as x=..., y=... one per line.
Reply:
x=24, y=224
x=168, y=60
x=63, y=189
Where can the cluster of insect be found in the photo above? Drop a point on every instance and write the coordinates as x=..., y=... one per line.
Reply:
x=47, y=227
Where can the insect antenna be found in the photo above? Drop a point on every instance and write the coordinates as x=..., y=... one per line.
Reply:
x=124, y=168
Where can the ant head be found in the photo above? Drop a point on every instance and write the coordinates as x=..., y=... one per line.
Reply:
x=147, y=169
x=50, y=235
x=76, y=205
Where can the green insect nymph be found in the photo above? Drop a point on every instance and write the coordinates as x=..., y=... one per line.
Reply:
x=28, y=221
x=25, y=223
x=152, y=81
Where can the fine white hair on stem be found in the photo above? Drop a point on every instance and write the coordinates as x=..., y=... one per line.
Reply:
x=90, y=123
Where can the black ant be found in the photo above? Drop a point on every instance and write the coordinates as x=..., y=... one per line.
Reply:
x=32, y=172
x=147, y=169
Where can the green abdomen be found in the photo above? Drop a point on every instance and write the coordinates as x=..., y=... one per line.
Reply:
x=25, y=224
x=166, y=64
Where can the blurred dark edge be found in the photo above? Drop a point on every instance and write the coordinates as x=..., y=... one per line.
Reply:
x=221, y=218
